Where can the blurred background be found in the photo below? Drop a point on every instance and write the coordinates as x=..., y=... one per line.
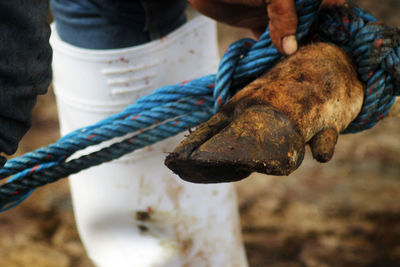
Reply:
x=343, y=213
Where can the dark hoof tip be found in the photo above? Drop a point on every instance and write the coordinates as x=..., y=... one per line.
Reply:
x=259, y=139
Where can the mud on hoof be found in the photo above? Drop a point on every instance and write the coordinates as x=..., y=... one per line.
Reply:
x=244, y=146
x=309, y=98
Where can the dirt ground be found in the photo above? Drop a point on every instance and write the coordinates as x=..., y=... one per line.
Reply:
x=343, y=213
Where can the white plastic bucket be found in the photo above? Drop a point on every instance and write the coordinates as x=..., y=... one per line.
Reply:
x=134, y=211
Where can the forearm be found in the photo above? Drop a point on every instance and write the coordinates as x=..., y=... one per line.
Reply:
x=25, y=66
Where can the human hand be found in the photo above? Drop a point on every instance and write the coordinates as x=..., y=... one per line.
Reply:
x=279, y=15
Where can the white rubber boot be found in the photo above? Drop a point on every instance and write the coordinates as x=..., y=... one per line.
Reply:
x=134, y=211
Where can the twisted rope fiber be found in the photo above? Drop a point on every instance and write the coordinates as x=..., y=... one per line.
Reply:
x=173, y=109
x=376, y=50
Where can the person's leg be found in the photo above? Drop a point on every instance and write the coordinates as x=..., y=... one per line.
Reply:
x=104, y=24
x=134, y=211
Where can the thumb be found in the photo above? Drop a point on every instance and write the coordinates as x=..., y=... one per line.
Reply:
x=282, y=25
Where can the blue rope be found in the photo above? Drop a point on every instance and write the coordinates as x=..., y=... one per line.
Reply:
x=376, y=51
x=176, y=108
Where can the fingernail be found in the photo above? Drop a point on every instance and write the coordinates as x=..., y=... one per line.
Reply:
x=289, y=44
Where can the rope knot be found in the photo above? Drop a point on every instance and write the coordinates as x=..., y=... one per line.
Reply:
x=375, y=48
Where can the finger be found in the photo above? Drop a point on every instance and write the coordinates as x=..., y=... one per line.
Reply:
x=323, y=144
x=283, y=25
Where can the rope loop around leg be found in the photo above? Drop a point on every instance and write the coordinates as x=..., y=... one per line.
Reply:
x=376, y=51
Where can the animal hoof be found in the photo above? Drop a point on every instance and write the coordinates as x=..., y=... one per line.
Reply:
x=259, y=139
